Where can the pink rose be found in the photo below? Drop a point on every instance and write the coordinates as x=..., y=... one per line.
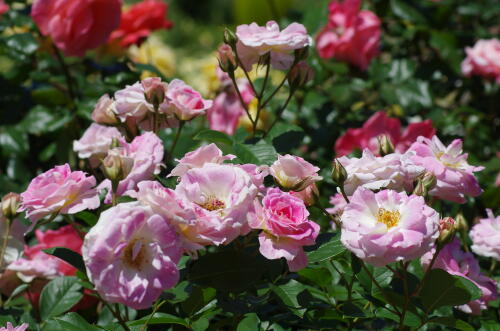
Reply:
x=138, y=21
x=255, y=41
x=146, y=154
x=184, y=102
x=59, y=190
x=294, y=173
x=286, y=229
x=95, y=143
x=394, y=171
x=455, y=177
x=380, y=124
x=131, y=255
x=485, y=236
x=459, y=263
x=385, y=227
x=37, y=264
x=104, y=111
x=3, y=9
x=10, y=327
x=338, y=203
x=483, y=59
x=350, y=35
x=77, y=26
x=197, y=158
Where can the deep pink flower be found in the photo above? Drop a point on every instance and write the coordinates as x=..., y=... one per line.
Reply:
x=37, y=264
x=385, y=227
x=95, y=143
x=131, y=255
x=10, y=327
x=197, y=158
x=459, y=263
x=3, y=7
x=380, y=124
x=184, y=103
x=77, y=26
x=255, y=41
x=485, y=236
x=483, y=59
x=350, y=35
x=455, y=177
x=286, y=229
x=59, y=190
x=294, y=173
x=138, y=21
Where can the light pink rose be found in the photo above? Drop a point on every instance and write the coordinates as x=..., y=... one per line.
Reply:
x=294, y=173
x=37, y=264
x=197, y=158
x=10, y=327
x=184, y=102
x=350, y=35
x=485, y=236
x=131, y=255
x=286, y=229
x=146, y=151
x=394, y=171
x=385, y=227
x=380, y=124
x=338, y=203
x=131, y=103
x=455, y=177
x=104, y=111
x=459, y=263
x=59, y=190
x=255, y=41
x=95, y=143
x=77, y=26
x=483, y=59
x=227, y=110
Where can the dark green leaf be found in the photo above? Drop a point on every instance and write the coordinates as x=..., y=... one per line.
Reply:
x=13, y=141
x=288, y=294
x=401, y=9
x=69, y=322
x=327, y=251
x=87, y=217
x=198, y=299
x=67, y=255
x=452, y=322
x=160, y=318
x=59, y=296
x=245, y=154
x=213, y=137
x=250, y=322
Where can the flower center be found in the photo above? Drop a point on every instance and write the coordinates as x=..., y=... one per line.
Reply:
x=212, y=203
x=389, y=218
x=134, y=254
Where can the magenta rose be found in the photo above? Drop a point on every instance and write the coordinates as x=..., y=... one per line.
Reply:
x=59, y=190
x=286, y=228
x=77, y=26
x=459, y=263
x=385, y=227
x=131, y=255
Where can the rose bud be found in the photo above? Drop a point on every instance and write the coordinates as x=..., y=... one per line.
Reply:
x=116, y=165
x=10, y=204
x=154, y=91
x=339, y=174
x=447, y=229
x=300, y=74
x=385, y=145
x=227, y=60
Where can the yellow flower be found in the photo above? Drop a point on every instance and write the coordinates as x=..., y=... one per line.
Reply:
x=154, y=52
x=252, y=109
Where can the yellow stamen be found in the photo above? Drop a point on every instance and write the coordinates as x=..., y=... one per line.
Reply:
x=389, y=218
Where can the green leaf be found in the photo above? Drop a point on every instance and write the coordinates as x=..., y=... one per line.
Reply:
x=443, y=289
x=265, y=153
x=160, y=318
x=67, y=255
x=288, y=294
x=411, y=319
x=69, y=322
x=383, y=276
x=21, y=45
x=282, y=128
x=250, y=322
x=318, y=276
x=407, y=12
x=213, y=137
x=245, y=154
x=87, y=217
x=13, y=141
x=327, y=251
x=198, y=299
x=59, y=296
x=452, y=322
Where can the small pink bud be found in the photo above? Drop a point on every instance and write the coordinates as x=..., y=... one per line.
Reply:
x=10, y=205
x=447, y=229
x=103, y=112
x=154, y=90
x=227, y=58
x=300, y=74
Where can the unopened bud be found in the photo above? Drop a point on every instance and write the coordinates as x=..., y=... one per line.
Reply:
x=114, y=143
x=154, y=91
x=429, y=180
x=447, y=230
x=309, y=195
x=301, y=54
x=103, y=112
x=385, y=145
x=300, y=74
x=227, y=59
x=420, y=189
x=230, y=38
x=10, y=205
x=339, y=174
x=116, y=166
x=462, y=225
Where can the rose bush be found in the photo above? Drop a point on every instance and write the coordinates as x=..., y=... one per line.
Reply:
x=318, y=165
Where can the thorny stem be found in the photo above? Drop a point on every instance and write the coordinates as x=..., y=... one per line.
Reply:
x=116, y=313
x=260, y=96
x=280, y=112
x=155, y=309
x=176, y=139
x=343, y=194
x=429, y=267
x=67, y=75
x=243, y=104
